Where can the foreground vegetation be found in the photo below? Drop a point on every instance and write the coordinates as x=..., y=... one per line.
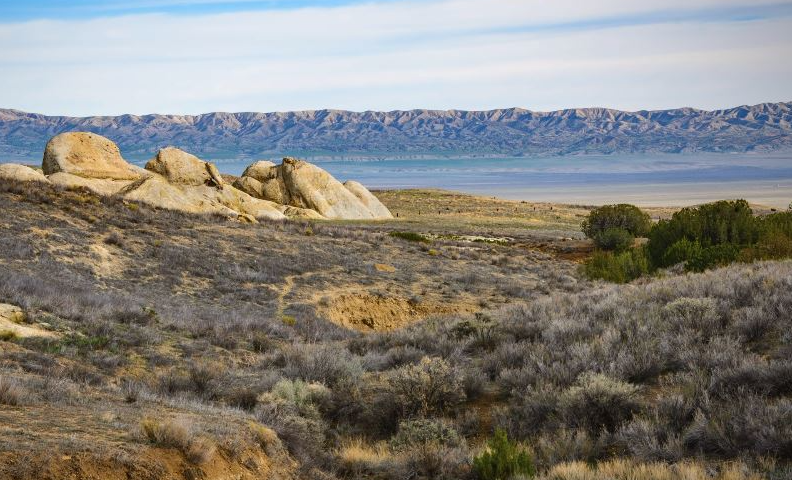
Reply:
x=187, y=347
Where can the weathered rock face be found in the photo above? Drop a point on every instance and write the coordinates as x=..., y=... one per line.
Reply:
x=261, y=170
x=86, y=155
x=304, y=185
x=182, y=168
x=369, y=200
x=21, y=173
x=157, y=191
x=100, y=186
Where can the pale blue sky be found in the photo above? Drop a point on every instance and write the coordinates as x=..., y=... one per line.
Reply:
x=192, y=56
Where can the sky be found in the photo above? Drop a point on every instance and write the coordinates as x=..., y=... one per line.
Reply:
x=89, y=57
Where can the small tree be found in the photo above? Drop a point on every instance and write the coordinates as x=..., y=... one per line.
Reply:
x=615, y=239
x=503, y=460
x=623, y=216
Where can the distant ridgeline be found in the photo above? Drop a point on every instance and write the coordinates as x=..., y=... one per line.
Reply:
x=513, y=132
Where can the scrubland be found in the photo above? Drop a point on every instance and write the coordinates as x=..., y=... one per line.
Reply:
x=162, y=345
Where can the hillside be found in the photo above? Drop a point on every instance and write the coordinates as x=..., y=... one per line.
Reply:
x=142, y=343
x=514, y=131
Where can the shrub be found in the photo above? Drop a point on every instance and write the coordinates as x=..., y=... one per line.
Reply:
x=617, y=267
x=12, y=392
x=430, y=387
x=599, y=403
x=172, y=433
x=8, y=335
x=178, y=434
x=622, y=216
x=615, y=239
x=244, y=398
x=321, y=363
x=723, y=222
x=410, y=236
x=503, y=460
x=420, y=433
x=714, y=256
x=302, y=398
x=681, y=251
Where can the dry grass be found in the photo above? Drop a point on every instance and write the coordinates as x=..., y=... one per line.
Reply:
x=180, y=434
x=628, y=470
x=12, y=392
x=357, y=456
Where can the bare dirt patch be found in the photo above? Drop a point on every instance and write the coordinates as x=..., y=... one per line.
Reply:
x=365, y=312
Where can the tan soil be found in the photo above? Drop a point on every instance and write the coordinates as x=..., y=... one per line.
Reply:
x=369, y=313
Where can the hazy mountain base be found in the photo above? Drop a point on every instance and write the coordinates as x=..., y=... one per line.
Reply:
x=200, y=322
x=514, y=131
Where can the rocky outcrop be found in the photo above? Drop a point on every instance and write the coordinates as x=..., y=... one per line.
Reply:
x=181, y=181
x=177, y=180
x=303, y=185
x=368, y=199
x=22, y=173
x=182, y=168
x=86, y=155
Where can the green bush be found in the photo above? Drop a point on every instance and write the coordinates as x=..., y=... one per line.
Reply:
x=774, y=245
x=623, y=216
x=617, y=267
x=503, y=459
x=714, y=256
x=615, y=239
x=410, y=236
x=681, y=251
x=718, y=223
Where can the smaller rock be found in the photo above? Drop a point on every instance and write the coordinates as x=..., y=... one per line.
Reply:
x=21, y=173
x=182, y=168
x=369, y=200
x=261, y=170
x=249, y=185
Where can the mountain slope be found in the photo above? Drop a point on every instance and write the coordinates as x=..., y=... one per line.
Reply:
x=514, y=131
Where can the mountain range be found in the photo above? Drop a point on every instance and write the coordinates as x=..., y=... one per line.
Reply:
x=510, y=132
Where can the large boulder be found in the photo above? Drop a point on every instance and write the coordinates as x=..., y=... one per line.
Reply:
x=86, y=155
x=368, y=199
x=303, y=185
x=182, y=168
x=21, y=173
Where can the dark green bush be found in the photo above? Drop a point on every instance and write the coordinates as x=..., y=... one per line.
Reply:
x=410, y=236
x=622, y=216
x=615, y=239
x=681, y=251
x=617, y=267
x=503, y=460
x=714, y=256
x=718, y=223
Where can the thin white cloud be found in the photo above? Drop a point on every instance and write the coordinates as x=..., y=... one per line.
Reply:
x=446, y=54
